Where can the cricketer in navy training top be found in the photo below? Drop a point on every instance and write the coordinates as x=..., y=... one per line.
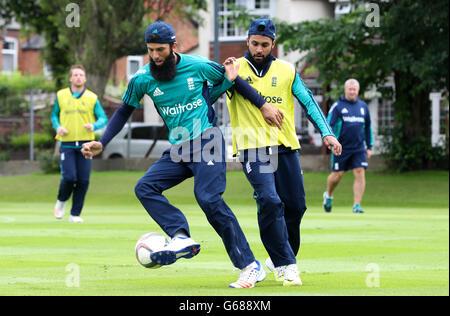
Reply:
x=350, y=119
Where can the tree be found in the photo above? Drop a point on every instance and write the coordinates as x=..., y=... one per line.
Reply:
x=409, y=44
x=93, y=33
x=13, y=88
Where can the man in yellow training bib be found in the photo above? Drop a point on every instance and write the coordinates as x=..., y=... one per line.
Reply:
x=74, y=119
x=270, y=157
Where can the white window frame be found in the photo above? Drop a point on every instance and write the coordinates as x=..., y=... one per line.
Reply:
x=131, y=58
x=14, y=52
x=385, y=114
x=250, y=5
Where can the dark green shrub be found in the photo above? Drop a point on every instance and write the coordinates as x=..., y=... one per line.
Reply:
x=48, y=162
x=405, y=154
x=40, y=141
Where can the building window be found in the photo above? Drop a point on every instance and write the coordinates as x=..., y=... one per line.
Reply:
x=228, y=30
x=385, y=115
x=9, y=54
x=262, y=4
x=134, y=63
x=342, y=9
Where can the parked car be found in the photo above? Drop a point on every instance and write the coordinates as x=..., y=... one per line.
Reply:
x=304, y=138
x=142, y=138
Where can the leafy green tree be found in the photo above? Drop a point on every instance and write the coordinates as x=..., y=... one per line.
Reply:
x=12, y=89
x=92, y=32
x=410, y=43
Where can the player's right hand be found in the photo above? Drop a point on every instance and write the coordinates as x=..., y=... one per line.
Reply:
x=333, y=144
x=272, y=115
x=91, y=149
x=61, y=131
x=231, y=68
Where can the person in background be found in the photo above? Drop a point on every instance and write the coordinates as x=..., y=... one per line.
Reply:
x=350, y=119
x=77, y=113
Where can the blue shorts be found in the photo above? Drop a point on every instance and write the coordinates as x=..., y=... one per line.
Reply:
x=348, y=161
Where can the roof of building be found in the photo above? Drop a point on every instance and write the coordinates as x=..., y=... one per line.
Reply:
x=36, y=42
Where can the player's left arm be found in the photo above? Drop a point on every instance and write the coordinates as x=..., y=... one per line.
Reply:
x=239, y=85
x=215, y=74
x=368, y=133
x=315, y=115
x=313, y=111
x=216, y=91
x=272, y=115
x=102, y=119
x=229, y=79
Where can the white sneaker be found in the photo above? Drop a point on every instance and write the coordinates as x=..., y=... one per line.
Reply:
x=277, y=272
x=75, y=219
x=59, y=209
x=291, y=276
x=249, y=276
x=178, y=247
x=58, y=213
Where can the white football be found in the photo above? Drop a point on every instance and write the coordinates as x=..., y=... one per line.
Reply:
x=147, y=244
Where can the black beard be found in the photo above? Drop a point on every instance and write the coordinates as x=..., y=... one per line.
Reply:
x=167, y=71
x=262, y=62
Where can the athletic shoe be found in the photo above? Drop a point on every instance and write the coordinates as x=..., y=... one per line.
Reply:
x=75, y=219
x=277, y=272
x=357, y=209
x=59, y=209
x=178, y=247
x=291, y=276
x=249, y=276
x=58, y=213
x=327, y=202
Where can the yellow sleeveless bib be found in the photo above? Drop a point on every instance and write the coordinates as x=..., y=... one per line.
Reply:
x=74, y=113
x=249, y=128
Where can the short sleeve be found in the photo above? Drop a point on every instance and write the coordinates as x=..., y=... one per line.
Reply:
x=135, y=92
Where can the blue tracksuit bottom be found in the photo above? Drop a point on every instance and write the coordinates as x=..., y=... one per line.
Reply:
x=205, y=161
x=280, y=197
x=76, y=171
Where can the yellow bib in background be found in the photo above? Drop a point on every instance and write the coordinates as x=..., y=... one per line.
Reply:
x=74, y=113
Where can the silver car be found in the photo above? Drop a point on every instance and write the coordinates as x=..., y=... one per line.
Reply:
x=142, y=138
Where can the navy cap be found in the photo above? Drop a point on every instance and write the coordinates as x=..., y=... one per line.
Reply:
x=263, y=26
x=165, y=33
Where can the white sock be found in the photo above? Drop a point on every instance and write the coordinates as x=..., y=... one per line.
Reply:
x=60, y=205
x=252, y=265
x=181, y=233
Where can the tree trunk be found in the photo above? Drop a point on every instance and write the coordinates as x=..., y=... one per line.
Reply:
x=412, y=110
x=97, y=81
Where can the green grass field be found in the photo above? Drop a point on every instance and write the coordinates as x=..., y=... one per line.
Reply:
x=399, y=247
